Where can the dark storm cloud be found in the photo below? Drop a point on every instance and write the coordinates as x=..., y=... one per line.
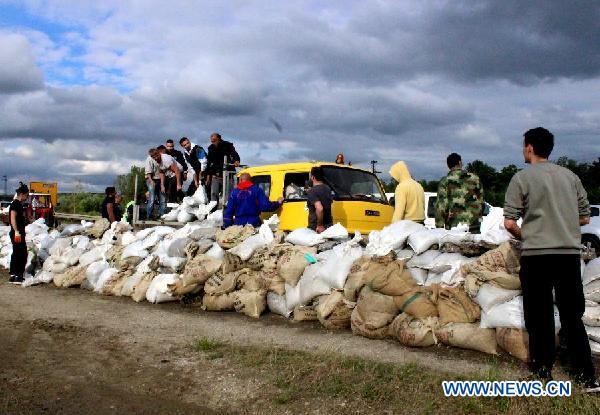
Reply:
x=18, y=72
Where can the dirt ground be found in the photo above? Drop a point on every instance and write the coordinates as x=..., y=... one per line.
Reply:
x=70, y=351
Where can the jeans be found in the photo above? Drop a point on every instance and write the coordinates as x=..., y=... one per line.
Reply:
x=154, y=190
x=216, y=186
x=18, y=259
x=539, y=275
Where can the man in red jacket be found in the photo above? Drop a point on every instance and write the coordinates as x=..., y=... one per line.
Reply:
x=246, y=203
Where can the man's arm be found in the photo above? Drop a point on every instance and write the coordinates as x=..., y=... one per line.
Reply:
x=319, y=213
x=111, y=212
x=512, y=227
x=264, y=204
x=229, y=210
x=441, y=205
x=162, y=182
x=233, y=154
x=175, y=170
x=513, y=207
x=479, y=194
x=583, y=203
x=13, y=221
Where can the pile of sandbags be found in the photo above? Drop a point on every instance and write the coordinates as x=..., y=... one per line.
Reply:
x=192, y=208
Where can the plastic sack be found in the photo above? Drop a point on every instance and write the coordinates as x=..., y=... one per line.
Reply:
x=171, y=216
x=128, y=238
x=591, y=272
x=199, y=196
x=510, y=314
x=391, y=237
x=158, y=291
x=335, y=269
x=493, y=237
x=176, y=247
x=71, y=230
x=278, y=305
x=489, y=296
x=183, y=216
x=216, y=251
x=336, y=231
x=93, y=255
x=135, y=249
x=104, y=277
x=304, y=237
x=422, y=240
x=94, y=271
x=247, y=248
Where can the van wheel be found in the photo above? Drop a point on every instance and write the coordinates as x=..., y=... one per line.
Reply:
x=593, y=240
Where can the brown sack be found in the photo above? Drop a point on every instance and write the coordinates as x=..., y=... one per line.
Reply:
x=468, y=336
x=122, y=277
x=513, y=341
x=394, y=280
x=221, y=284
x=233, y=236
x=219, y=302
x=305, y=313
x=376, y=310
x=412, y=332
x=72, y=277
x=454, y=305
x=360, y=328
x=139, y=291
x=499, y=266
x=100, y=226
x=250, y=303
x=417, y=303
x=356, y=278
x=292, y=263
x=333, y=312
x=197, y=271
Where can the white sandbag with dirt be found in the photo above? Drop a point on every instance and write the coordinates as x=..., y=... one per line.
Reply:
x=591, y=291
x=423, y=260
x=591, y=316
x=391, y=238
x=234, y=235
x=304, y=237
x=468, y=336
x=424, y=239
x=60, y=246
x=158, y=291
x=591, y=272
x=593, y=333
x=96, y=254
x=70, y=257
x=278, y=305
x=263, y=238
x=135, y=249
x=104, y=277
x=52, y=266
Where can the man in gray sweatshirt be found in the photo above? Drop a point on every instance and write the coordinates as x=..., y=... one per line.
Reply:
x=553, y=205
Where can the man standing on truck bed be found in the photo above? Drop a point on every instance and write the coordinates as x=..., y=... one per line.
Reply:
x=217, y=151
x=459, y=198
x=553, y=205
x=319, y=202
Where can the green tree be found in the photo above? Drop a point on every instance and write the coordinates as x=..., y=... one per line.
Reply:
x=125, y=183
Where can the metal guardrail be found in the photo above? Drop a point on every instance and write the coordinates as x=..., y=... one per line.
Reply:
x=75, y=216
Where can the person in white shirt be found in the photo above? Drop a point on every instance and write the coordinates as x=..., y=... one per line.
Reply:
x=172, y=170
x=158, y=166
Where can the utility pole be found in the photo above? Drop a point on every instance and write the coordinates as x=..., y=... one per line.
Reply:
x=5, y=178
x=373, y=170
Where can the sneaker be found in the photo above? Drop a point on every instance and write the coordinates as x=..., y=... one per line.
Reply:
x=11, y=279
x=17, y=280
x=591, y=386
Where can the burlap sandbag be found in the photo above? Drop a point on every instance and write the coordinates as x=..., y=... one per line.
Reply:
x=363, y=271
x=250, y=303
x=139, y=291
x=251, y=281
x=221, y=283
x=513, y=341
x=361, y=329
x=100, y=226
x=454, y=305
x=293, y=262
x=263, y=257
x=72, y=277
x=273, y=280
x=120, y=281
x=305, y=313
x=197, y=271
x=417, y=303
x=394, y=280
x=113, y=255
x=219, y=302
x=499, y=267
x=412, y=332
x=468, y=336
x=333, y=311
x=376, y=310
x=233, y=236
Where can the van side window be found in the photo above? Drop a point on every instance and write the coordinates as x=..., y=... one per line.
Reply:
x=264, y=182
x=295, y=186
x=431, y=207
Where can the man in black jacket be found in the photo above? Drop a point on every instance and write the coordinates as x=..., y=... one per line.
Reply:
x=177, y=155
x=217, y=151
x=195, y=156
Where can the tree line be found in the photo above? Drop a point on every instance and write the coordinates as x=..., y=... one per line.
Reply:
x=495, y=182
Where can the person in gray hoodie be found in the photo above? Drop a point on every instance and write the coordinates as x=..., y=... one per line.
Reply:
x=553, y=205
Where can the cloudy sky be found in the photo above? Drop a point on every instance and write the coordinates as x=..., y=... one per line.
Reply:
x=86, y=87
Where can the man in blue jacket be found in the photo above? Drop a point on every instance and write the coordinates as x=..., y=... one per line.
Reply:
x=246, y=203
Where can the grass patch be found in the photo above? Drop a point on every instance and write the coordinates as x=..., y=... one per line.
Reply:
x=363, y=385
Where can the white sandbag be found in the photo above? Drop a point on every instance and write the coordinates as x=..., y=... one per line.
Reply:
x=128, y=238
x=591, y=272
x=419, y=275
x=422, y=240
x=304, y=237
x=456, y=236
x=445, y=262
x=176, y=247
x=72, y=229
x=93, y=255
x=336, y=268
x=189, y=201
x=216, y=251
x=82, y=242
x=591, y=291
x=594, y=347
x=203, y=211
x=593, y=333
x=591, y=317
x=423, y=260
x=183, y=216
x=404, y=254
x=273, y=222
x=134, y=249
x=199, y=196
x=48, y=241
x=70, y=257
x=391, y=237
x=60, y=246
x=54, y=267
x=433, y=278
x=263, y=238
x=215, y=218
x=510, y=314
x=489, y=296
x=308, y=287
x=336, y=231
x=36, y=228
x=493, y=237
x=278, y=305
x=94, y=271
x=41, y=277
x=104, y=277
x=175, y=264
x=158, y=291
x=171, y=216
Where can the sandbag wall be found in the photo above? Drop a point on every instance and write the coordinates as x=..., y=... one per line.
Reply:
x=420, y=287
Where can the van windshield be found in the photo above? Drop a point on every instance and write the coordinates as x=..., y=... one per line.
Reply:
x=353, y=184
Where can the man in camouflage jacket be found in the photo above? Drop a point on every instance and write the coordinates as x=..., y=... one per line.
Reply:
x=459, y=198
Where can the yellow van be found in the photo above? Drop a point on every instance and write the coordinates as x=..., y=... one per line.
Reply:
x=359, y=201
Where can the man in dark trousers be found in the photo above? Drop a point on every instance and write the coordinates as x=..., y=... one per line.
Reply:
x=319, y=202
x=246, y=202
x=196, y=158
x=18, y=259
x=217, y=151
x=178, y=155
x=553, y=205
